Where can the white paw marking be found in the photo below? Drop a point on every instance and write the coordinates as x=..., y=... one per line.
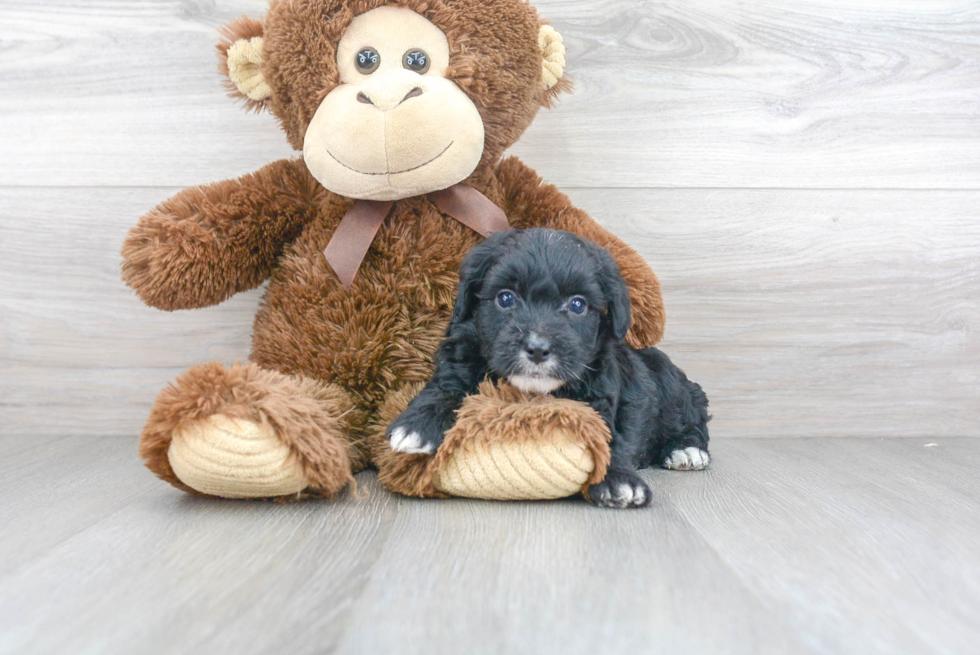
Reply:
x=689, y=459
x=639, y=495
x=624, y=495
x=403, y=441
x=535, y=384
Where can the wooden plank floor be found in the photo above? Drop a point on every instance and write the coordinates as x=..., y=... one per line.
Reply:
x=783, y=546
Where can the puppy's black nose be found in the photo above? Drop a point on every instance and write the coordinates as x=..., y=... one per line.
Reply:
x=537, y=355
x=537, y=349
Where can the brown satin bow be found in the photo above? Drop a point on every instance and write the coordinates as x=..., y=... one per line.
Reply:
x=352, y=238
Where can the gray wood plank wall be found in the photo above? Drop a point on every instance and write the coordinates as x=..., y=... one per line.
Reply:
x=803, y=175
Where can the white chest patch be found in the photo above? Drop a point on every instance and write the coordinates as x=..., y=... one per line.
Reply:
x=535, y=384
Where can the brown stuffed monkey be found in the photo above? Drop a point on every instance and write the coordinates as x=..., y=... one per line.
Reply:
x=403, y=111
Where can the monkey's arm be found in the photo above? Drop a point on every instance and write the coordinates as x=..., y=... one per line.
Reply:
x=209, y=242
x=531, y=203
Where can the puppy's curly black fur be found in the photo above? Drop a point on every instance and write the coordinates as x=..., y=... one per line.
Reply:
x=548, y=312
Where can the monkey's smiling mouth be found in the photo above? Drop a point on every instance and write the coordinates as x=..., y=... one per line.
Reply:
x=407, y=170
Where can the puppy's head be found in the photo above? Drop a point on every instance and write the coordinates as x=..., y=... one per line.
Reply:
x=543, y=303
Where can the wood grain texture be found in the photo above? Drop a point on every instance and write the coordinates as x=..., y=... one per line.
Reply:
x=185, y=575
x=838, y=530
x=844, y=546
x=803, y=313
x=817, y=313
x=565, y=578
x=57, y=487
x=717, y=93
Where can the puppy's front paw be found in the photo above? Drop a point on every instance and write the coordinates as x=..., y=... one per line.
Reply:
x=620, y=489
x=406, y=440
x=419, y=430
x=688, y=459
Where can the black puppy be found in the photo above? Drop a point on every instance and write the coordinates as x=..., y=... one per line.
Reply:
x=548, y=312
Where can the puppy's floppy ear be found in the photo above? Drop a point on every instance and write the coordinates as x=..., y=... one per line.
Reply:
x=616, y=292
x=475, y=266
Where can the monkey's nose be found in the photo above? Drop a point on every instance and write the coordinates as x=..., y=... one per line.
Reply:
x=414, y=93
x=537, y=349
x=381, y=103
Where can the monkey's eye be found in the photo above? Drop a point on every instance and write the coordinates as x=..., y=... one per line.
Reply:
x=578, y=305
x=367, y=61
x=416, y=60
x=506, y=299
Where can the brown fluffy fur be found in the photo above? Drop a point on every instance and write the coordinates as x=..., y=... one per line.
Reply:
x=373, y=340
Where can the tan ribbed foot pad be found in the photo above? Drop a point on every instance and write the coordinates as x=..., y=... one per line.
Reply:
x=234, y=458
x=517, y=471
x=507, y=445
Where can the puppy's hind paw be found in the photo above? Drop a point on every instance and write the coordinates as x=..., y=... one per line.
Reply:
x=688, y=459
x=620, y=489
x=411, y=442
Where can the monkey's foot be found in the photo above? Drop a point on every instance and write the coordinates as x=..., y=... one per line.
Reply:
x=248, y=432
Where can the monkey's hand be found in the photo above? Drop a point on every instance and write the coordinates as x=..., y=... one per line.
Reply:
x=209, y=242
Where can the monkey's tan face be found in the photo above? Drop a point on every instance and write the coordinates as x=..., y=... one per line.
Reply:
x=394, y=127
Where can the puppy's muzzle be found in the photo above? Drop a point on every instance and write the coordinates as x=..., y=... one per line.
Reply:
x=536, y=366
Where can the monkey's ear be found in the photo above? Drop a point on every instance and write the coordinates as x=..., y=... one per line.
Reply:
x=240, y=59
x=618, y=304
x=553, y=77
x=476, y=265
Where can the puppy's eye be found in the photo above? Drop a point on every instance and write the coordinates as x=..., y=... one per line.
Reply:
x=578, y=305
x=506, y=299
x=367, y=61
